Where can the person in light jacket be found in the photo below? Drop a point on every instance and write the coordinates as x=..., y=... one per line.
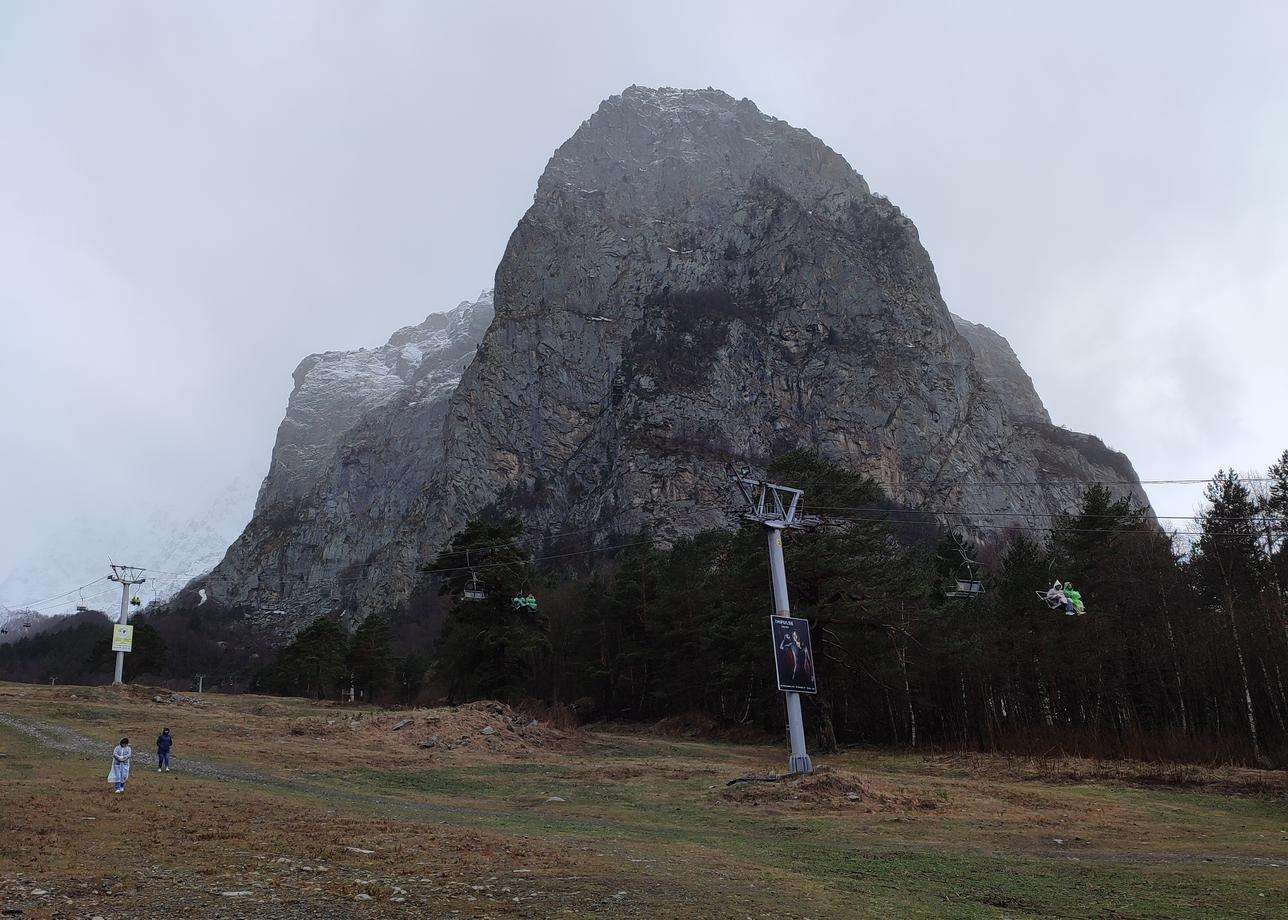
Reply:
x=164, y=741
x=120, y=771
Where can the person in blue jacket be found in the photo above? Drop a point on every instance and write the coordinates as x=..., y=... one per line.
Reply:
x=164, y=741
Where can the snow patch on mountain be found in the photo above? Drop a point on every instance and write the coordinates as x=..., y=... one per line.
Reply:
x=334, y=390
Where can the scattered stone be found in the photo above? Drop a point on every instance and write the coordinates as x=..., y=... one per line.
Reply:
x=555, y=798
x=360, y=850
x=401, y=723
x=39, y=892
x=428, y=744
x=363, y=896
x=488, y=730
x=234, y=894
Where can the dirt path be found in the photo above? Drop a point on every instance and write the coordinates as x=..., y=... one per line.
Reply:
x=68, y=741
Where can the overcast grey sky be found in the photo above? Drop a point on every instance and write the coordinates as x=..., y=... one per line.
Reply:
x=193, y=196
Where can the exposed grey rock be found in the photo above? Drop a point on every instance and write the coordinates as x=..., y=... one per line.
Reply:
x=335, y=390
x=1001, y=369
x=320, y=516
x=696, y=283
x=758, y=298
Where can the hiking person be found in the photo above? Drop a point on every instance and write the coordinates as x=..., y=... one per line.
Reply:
x=120, y=771
x=164, y=741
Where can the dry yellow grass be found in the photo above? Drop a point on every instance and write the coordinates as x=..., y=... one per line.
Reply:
x=588, y=824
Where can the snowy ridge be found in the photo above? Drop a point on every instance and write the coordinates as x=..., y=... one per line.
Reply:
x=334, y=390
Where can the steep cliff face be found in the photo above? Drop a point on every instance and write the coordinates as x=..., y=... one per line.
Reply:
x=360, y=439
x=1001, y=369
x=696, y=283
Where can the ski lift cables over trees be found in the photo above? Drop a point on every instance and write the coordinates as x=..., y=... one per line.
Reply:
x=489, y=646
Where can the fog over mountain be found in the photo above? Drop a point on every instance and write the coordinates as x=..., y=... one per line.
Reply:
x=193, y=197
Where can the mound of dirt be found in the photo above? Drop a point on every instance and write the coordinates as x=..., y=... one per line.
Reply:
x=315, y=727
x=485, y=726
x=826, y=790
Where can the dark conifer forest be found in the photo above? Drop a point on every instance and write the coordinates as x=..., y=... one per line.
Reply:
x=1182, y=653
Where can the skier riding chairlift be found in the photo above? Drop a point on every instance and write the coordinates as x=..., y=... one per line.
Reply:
x=1063, y=597
x=520, y=602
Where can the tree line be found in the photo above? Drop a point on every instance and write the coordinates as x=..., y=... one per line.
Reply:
x=1181, y=655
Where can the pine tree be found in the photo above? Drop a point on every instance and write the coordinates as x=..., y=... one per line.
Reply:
x=1275, y=510
x=147, y=655
x=1231, y=570
x=313, y=664
x=409, y=674
x=369, y=661
x=490, y=646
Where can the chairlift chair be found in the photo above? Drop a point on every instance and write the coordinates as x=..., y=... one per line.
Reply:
x=969, y=586
x=1056, y=600
x=966, y=589
x=473, y=591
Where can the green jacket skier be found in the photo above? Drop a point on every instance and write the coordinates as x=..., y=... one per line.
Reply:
x=1074, y=596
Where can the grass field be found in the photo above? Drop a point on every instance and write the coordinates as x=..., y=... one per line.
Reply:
x=281, y=808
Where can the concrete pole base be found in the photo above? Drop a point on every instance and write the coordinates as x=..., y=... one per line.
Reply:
x=800, y=763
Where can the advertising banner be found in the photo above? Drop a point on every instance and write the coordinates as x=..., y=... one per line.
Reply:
x=793, y=654
x=122, y=638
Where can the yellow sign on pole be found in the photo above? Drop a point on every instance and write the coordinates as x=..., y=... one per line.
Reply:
x=122, y=638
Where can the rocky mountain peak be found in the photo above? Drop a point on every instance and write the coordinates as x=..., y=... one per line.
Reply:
x=695, y=284
x=334, y=390
x=1000, y=367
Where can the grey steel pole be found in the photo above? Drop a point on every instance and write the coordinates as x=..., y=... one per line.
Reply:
x=124, y=619
x=800, y=761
